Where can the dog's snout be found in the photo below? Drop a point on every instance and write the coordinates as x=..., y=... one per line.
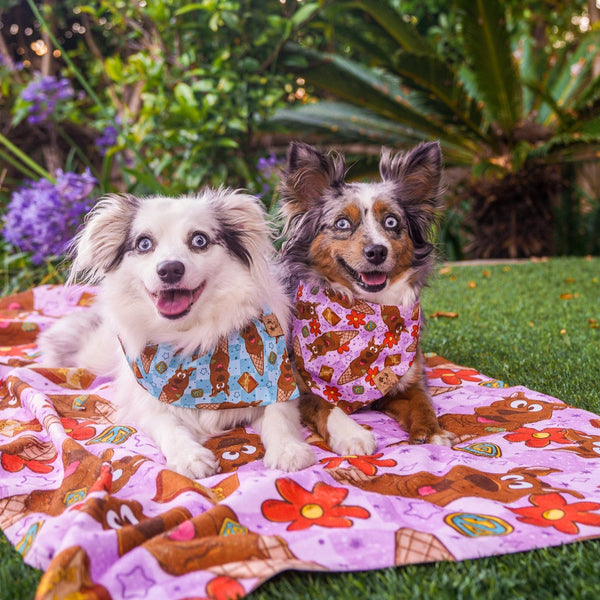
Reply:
x=170, y=271
x=375, y=253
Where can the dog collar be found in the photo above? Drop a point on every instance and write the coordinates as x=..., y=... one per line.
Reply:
x=250, y=367
x=352, y=353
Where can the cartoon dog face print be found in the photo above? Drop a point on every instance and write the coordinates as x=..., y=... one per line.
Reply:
x=236, y=449
x=219, y=370
x=176, y=386
x=360, y=365
x=330, y=342
x=504, y=415
x=461, y=481
x=305, y=311
x=393, y=320
x=128, y=519
x=515, y=411
x=305, y=376
x=286, y=382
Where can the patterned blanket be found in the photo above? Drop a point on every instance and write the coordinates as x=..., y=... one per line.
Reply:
x=89, y=500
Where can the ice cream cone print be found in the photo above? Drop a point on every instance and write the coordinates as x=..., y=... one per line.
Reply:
x=254, y=346
x=418, y=547
x=147, y=356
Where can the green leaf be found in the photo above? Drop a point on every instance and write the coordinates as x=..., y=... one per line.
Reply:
x=375, y=90
x=487, y=45
x=147, y=180
x=391, y=20
x=304, y=13
x=184, y=94
x=114, y=68
x=190, y=8
x=572, y=71
x=353, y=123
x=444, y=92
x=533, y=66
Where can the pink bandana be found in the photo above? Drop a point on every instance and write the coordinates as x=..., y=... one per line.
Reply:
x=352, y=353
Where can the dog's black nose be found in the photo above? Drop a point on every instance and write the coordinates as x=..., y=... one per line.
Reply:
x=170, y=271
x=375, y=253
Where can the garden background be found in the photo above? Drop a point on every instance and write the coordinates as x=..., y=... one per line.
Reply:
x=165, y=96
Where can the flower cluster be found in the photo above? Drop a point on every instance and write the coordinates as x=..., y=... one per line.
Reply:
x=42, y=217
x=44, y=92
x=107, y=139
x=269, y=170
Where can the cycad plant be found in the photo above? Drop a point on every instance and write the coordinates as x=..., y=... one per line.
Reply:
x=516, y=114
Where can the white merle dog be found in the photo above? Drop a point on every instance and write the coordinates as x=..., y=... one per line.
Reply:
x=184, y=272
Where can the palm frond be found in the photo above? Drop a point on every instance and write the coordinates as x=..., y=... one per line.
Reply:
x=570, y=75
x=395, y=25
x=487, y=45
x=374, y=89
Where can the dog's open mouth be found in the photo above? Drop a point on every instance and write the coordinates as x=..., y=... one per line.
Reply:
x=371, y=281
x=174, y=303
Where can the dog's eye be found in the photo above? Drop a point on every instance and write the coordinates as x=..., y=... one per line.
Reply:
x=343, y=224
x=199, y=241
x=144, y=244
x=390, y=222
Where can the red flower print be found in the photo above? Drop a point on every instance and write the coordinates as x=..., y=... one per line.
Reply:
x=299, y=292
x=451, y=377
x=390, y=340
x=343, y=348
x=552, y=510
x=14, y=463
x=415, y=331
x=303, y=509
x=315, y=326
x=538, y=439
x=370, y=374
x=21, y=351
x=367, y=464
x=356, y=319
x=224, y=588
x=77, y=430
x=332, y=393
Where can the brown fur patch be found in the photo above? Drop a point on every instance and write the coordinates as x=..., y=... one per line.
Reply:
x=324, y=252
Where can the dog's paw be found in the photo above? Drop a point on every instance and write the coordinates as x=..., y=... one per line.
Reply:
x=347, y=437
x=196, y=462
x=425, y=435
x=294, y=456
x=443, y=438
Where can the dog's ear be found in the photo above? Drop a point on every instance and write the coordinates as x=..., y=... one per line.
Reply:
x=307, y=175
x=100, y=246
x=417, y=172
x=243, y=229
x=416, y=176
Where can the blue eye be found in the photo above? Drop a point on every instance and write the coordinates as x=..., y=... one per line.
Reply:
x=343, y=224
x=144, y=244
x=199, y=241
x=390, y=222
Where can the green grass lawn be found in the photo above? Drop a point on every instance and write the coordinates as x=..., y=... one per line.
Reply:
x=535, y=324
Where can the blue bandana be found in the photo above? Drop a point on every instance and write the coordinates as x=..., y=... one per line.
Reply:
x=248, y=368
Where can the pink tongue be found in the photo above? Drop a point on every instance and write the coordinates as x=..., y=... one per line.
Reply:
x=376, y=278
x=174, y=302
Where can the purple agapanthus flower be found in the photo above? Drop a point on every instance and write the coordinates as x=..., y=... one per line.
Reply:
x=269, y=169
x=42, y=217
x=44, y=92
x=107, y=139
